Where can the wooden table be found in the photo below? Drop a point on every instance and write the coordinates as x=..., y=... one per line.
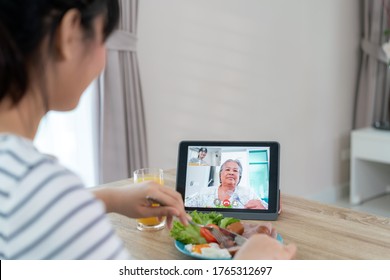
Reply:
x=320, y=231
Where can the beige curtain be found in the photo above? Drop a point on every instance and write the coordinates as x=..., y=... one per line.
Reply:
x=372, y=96
x=122, y=145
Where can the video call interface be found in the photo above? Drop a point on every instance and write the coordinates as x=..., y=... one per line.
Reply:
x=227, y=177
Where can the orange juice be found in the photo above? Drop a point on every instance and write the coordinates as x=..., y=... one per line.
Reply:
x=156, y=175
x=151, y=221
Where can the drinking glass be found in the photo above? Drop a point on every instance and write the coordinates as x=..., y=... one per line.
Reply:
x=156, y=175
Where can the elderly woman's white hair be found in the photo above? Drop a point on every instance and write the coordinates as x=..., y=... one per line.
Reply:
x=239, y=169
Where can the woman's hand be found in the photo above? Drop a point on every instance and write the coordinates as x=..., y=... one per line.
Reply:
x=254, y=204
x=264, y=247
x=132, y=201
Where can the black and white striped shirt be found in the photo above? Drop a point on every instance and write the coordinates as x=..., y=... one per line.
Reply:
x=45, y=211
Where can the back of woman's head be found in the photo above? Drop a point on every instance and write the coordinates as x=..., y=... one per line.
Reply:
x=24, y=24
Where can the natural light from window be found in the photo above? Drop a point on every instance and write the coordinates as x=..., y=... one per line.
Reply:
x=69, y=137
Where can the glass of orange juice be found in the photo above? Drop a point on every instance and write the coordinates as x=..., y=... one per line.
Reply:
x=150, y=174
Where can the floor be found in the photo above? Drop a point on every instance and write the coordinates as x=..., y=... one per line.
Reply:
x=379, y=206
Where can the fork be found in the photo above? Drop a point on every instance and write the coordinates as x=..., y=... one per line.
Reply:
x=198, y=225
x=222, y=239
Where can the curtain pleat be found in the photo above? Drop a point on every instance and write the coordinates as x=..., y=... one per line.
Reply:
x=122, y=128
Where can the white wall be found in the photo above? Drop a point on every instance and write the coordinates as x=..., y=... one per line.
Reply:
x=253, y=70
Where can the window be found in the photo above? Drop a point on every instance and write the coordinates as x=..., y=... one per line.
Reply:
x=259, y=172
x=69, y=137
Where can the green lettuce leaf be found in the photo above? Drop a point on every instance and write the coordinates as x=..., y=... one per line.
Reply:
x=186, y=234
x=191, y=234
x=227, y=221
x=206, y=218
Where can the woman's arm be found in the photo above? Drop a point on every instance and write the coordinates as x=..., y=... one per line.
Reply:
x=132, y=201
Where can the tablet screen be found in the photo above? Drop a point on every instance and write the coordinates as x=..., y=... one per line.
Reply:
x=235, y=177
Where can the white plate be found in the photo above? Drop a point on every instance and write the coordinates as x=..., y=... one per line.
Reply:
x=181, y=247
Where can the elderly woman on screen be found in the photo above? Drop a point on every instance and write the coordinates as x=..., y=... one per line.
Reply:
x=229, y=193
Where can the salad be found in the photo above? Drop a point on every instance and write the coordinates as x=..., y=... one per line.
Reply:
x=192, y=234
x=199, y=241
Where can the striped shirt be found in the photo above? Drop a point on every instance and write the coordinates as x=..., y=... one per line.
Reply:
x=45, y=211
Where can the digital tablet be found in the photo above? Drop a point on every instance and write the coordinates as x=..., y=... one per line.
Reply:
x=238, y=179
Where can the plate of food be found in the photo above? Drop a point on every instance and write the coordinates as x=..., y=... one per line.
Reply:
x=199, y=243
x=207, y=251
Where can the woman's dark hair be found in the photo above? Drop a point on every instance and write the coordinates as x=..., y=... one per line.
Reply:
x=25, y=23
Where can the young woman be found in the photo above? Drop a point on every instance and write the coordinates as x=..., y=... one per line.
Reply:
x=50, y=51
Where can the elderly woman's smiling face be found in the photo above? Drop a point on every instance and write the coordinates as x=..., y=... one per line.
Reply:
x=230, y=174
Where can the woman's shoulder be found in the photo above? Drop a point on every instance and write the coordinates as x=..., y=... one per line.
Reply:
x=21, y=151
x=24, y=169
x=244, y=188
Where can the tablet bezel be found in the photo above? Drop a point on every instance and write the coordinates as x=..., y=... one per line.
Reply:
x=246, y=214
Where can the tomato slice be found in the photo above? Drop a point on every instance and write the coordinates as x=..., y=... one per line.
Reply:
x=207, y=235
